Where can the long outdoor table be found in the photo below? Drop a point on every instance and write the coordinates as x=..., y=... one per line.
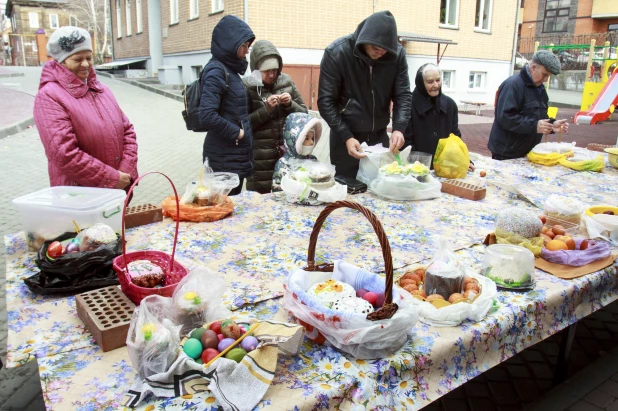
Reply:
x=266, y=238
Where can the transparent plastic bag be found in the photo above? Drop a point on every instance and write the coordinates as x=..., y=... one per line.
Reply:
x=406, y=187
x=91, y=238
x=550, y=154
x=153, y=340
x=452, y=158
x=301, y=192
x=444, y=275
x=211, y=188
x=455, y=314
x=197, y=299
x=376, y=157
x=349, y=332
x=602, y=226
x=564, y=208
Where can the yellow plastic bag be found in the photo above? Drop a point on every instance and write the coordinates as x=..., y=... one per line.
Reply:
x=550, y=159
x=594, y=164
x=451, y=159
x=534, y=244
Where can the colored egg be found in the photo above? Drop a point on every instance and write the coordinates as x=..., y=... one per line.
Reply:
x=230, y=329
x=193, y=348
x=242, y=330
x=216, y=327
x=371, y=297
x=250, y=343
x=236, y=354
x=72, y=248
x=361, y=292
x=220, y=337
x=54, y=250
x=380, y=300
x=224, y=343
x=197, y=333
x=209, y=339
x=209, y=354
x=199, y=361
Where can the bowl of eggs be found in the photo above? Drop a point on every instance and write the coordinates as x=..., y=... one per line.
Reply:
x=601, y=209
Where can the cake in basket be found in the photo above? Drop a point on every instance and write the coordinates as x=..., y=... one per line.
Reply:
x=330, y=291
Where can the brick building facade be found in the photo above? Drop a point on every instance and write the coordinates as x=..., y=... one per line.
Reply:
x=568, y=17
x=175, y=35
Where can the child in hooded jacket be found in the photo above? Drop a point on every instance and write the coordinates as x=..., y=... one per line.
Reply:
x=300, y=136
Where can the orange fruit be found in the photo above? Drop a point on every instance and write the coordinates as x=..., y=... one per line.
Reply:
x=555, y=245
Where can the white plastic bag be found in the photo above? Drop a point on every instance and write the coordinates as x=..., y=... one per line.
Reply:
x=153, y=340
x=377, y=156
x=455, y=314
x=564, y=208
x=197, y=299
x=406, y=187
x=602, y=226
x=553, y=147
x=351, y=333
x=444, y=274
x=302, y=193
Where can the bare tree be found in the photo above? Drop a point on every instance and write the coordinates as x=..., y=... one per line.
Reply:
x=94, y=16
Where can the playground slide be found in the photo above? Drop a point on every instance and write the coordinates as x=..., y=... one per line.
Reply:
x=600, y=110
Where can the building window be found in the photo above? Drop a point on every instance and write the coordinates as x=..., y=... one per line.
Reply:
x=612, y=27
x=196, y=71
x=72, y=21
x=483, y=15
x=217, y=5
x=173, y=11
x=118, y=18
x=556, y=16
x=194, y=9
x=53, y=21
x=448, y=79
x=476, y=80
x=448, y=12
x=138, y=10
x=34, y=20
x=127, y=10
x=34, y=46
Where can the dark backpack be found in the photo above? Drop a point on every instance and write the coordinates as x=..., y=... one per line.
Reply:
x=192, y=95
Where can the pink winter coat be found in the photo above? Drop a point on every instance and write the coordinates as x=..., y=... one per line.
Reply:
x=87, y=137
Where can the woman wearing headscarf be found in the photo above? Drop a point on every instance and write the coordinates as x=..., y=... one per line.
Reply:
x=88, y=140
x=434, y=115
x=271, y=103
x=224, y=107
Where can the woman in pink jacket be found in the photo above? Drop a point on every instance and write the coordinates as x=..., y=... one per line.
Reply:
x=87, y=138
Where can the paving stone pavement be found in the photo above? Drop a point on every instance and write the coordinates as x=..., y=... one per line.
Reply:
x=164, y=145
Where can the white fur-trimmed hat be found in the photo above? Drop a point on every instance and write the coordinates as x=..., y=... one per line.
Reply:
x=314, y=122
x=66, y=41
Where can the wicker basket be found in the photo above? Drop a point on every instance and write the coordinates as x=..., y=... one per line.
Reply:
x=174, y=271
x=388, y=309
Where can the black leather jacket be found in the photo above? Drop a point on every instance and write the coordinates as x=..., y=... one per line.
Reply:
x=355, y=91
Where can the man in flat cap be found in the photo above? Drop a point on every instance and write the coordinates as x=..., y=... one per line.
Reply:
x=521, y=117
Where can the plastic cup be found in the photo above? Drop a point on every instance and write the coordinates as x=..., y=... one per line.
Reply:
x=423, y=158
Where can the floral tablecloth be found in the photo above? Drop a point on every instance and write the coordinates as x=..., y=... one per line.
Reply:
x=266, y=238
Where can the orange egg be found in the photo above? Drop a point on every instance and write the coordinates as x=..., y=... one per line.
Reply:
x=406, y=282
x=584, y=245
x=543, y=219
x=555, y=245
x=470, y=294
x=419, y=293
x=455, y=297
x=410, y=287
x=421, y=273
x=434, y=297
x=570, y=243
x=472, y=286
x=549, y=234
x=558, y=229
x=544, y=229
x=546, y=239
x=469, y=280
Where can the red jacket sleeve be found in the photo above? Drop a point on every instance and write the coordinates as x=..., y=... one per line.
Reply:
x=128, y=164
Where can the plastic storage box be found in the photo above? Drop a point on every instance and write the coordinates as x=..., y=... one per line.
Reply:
x=52, y=211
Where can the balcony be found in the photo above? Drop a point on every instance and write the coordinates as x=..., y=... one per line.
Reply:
x=604, y=9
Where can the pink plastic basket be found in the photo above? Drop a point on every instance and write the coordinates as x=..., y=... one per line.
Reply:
x=174, y=271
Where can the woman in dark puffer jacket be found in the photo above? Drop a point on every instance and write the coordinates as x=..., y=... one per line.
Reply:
x=270, y=106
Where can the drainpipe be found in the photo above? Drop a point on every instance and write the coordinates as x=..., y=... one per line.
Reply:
x=246, y=11
x=515, y=38
x=110, y=30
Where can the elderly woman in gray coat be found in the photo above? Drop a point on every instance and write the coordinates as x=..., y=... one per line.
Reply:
x=270, y=106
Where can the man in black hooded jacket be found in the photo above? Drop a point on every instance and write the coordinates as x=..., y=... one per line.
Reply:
x=359, y=76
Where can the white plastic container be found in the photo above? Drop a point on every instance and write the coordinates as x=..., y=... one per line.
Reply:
x=50, y=212
x=509, y=266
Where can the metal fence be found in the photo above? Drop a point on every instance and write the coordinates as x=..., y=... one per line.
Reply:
x=572, y=58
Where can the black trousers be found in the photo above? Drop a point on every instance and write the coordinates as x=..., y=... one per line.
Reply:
x=237, y=190
x=344, y=163
x=499, y=157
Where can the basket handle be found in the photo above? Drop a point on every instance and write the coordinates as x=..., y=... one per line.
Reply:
x=124, y=212
x=388, y=309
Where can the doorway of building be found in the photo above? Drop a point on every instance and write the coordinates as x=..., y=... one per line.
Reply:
x=306, y=79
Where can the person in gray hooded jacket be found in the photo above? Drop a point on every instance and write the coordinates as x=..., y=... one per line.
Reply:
x=359, y=76
x=271, y=103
